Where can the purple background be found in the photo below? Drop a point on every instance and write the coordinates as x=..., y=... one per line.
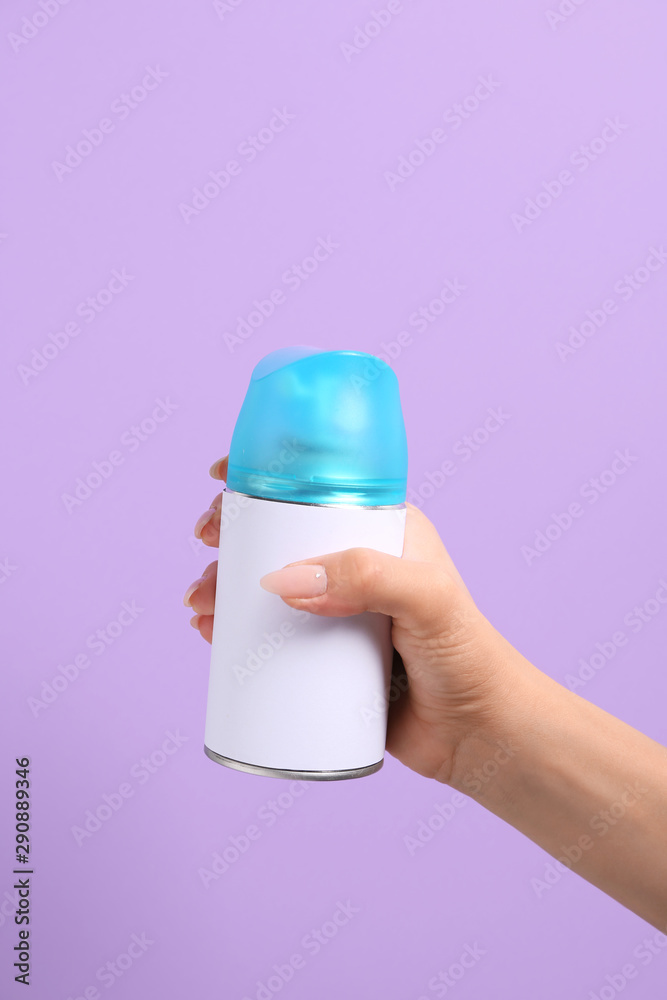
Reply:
x=222, y=71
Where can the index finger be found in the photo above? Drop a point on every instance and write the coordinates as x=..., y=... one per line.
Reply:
x=219, y=469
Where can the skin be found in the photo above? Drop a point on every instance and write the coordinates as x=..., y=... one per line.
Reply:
x=468, y=710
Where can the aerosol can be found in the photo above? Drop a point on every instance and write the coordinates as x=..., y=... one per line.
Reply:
x=317, y=464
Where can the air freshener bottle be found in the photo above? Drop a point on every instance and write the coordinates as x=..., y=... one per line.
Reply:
x=317, y=464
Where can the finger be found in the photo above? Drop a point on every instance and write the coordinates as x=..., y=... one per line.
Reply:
x=207, y=527
x=418, y=590
x=204, y=625
x=200, y=595
x=219, y=469
x=420, y=596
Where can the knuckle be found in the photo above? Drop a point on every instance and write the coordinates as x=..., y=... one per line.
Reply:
x=453, y=606
x=445, y=584
x=362, y=567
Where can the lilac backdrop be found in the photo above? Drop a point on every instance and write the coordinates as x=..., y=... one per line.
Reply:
x=551, y=312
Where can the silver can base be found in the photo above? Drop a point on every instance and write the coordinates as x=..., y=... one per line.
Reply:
x=272, y=772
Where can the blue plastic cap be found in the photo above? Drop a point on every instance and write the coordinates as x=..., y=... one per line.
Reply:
x=321, y=427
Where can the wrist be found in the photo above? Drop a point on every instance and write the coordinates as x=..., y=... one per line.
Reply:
x=499, y=744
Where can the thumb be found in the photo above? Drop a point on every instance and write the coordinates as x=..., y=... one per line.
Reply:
x=419, y=596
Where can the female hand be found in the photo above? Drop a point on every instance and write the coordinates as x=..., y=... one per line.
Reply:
x=453, y=671
x=472, y=712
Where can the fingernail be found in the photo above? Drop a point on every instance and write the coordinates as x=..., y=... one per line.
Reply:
x=296, y=581
x=195, y=622
x=203, y=521
x=190, y=591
